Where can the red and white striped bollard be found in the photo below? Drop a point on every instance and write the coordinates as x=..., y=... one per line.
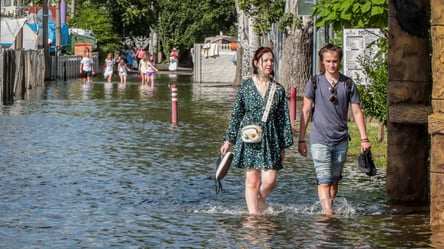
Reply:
x=174, y=111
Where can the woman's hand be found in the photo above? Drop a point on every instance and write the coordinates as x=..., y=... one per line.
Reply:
x=225, y=147
x=282, y=157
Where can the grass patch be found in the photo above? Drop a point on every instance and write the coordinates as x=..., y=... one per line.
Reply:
x=379, y=149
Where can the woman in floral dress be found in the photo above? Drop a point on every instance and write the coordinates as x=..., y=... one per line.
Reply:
x=262, y=160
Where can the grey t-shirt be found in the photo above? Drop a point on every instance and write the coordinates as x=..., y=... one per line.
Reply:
x=329, y=124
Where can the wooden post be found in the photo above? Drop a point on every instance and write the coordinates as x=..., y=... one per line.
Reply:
x=436, y=120
x=293, y=105
x=408, y=100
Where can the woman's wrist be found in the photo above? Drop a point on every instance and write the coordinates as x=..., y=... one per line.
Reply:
x=301, y=141
x=227, y=142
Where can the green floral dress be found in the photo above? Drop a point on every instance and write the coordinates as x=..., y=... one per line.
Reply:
x=248, y=109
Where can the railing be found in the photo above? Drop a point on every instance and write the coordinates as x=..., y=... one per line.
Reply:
x=68, y=66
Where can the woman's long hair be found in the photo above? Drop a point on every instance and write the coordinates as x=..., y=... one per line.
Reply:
x=258, y=56
x=328, y=48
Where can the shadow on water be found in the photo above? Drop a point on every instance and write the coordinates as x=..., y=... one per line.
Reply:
x=101, y=166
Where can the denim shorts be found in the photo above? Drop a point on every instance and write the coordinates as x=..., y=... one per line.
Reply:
x=328, y=161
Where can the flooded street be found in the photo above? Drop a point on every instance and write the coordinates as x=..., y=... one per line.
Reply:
x=103, y=167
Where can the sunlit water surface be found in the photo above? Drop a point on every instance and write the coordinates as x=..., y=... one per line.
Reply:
x=102, y=167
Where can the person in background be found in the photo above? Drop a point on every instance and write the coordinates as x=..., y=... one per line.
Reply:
x=151, y=71
x=330, y=96
x=109, y=67
x=262, y=160
x=129, y=54
x=140, y=54
x=174, y=55
x=87, y=67
x=123, y=69
x=143, y=65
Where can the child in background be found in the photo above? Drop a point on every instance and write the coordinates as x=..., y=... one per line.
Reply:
x=151, y=71
x=87, y=67
x=123, y=69
x=109, y=64
x=142, y=69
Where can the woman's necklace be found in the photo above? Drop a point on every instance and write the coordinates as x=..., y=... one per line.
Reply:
x=261, y=85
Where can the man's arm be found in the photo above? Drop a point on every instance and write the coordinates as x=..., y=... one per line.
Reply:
x=360, y=123
x=303, y=123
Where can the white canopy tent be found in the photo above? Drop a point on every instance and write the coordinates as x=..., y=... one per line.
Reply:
x=10, y=28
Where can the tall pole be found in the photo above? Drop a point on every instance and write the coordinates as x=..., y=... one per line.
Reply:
x=58, y=39
x=73, y=8
x=58, y=30
x=0, y=22
x=45, y=39
x=19, y=37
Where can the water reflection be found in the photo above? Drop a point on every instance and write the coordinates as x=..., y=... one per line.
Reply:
x=103, y=167
x=258, y=230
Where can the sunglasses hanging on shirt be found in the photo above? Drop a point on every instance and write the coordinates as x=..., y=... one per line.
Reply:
x=333, y=96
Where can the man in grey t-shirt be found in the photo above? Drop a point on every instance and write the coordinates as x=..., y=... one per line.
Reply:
x=326, y=100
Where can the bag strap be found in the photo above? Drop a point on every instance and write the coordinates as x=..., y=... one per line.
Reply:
x=269, y=102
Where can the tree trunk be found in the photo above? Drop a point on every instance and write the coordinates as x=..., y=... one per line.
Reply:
x=381, y=135
x=296, y=61
x=248, y=43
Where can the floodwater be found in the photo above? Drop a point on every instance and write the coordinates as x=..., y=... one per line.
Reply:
x=103, y=167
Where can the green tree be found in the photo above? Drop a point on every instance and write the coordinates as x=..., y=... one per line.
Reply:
x=264, y=13
x=351, y=14
x=374, y=94
x=183, y=23
x=131, y=17
x=96, y=18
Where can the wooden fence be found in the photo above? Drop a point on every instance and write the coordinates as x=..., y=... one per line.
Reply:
x=21, y=70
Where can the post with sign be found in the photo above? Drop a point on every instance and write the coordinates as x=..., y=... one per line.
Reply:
x=357, y=44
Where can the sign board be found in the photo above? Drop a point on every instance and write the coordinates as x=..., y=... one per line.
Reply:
x=304, y=7
x=356, y=44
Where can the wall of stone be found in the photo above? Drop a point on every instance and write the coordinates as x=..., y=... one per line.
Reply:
x=214, y=63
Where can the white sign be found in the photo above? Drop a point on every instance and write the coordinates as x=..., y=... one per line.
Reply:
x=356, y=44
x=305, y=7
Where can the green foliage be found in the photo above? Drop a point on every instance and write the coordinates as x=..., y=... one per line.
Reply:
x=95, y=18
x=265, y=13
x=289, y=19
x=351, y=13
x=131, y=17
x=374, y=94
x=183, y=23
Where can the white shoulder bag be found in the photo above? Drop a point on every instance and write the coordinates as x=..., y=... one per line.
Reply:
x=253, y=133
